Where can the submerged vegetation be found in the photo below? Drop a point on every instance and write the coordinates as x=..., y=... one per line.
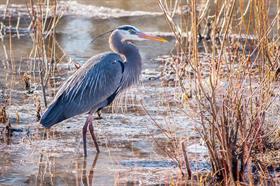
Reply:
x=223, y=73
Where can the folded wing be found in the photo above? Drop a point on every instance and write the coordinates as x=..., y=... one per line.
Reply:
x=86, y=89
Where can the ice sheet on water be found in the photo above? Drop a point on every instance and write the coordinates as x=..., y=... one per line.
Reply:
x=75, y=8
x=149, y=163
x=197, y=149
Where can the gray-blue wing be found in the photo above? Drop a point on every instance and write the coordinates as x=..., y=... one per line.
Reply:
x=88, y=87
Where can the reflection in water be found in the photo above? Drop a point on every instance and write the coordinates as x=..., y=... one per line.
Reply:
x=44, y=166
x=88, y=179
x=49, y=174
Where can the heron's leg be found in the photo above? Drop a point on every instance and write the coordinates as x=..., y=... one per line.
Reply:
x=90, y=118
x=85, y=137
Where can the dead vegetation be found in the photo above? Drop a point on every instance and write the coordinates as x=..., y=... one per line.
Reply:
x=226, y=62
x=36, y=20
x=3, y=115
x=234, y=90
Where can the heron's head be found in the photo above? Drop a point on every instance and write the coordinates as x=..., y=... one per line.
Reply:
x=129, y=32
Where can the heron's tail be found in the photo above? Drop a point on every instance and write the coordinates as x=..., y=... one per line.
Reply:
x=53, y=115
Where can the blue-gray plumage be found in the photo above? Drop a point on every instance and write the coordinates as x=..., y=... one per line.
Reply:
x=96, y=84
x=90, y=81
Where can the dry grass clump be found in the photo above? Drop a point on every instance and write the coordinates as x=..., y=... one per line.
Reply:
x=233, y=101
x=37, y=103
x=3, y=114
x=5, y=127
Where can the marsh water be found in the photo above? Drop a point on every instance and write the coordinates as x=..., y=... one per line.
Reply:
x=130, y=139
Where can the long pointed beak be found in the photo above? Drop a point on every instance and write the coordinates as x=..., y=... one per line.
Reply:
x=151, y=37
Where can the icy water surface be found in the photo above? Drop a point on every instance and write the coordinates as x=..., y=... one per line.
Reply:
x=129, y=154
x=131, y=143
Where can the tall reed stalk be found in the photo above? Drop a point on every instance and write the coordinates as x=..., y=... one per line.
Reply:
x=44, y=21
x=232, y=103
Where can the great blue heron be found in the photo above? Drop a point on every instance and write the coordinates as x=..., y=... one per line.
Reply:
x=96, y=84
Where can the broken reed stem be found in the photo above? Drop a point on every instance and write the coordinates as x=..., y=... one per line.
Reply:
x=186, y=160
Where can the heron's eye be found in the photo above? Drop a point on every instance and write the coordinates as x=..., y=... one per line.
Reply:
x=132, y=31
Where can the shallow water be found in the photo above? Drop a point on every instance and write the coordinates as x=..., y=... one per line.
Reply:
x=129, y=139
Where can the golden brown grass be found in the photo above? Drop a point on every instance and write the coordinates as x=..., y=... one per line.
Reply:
x=233, y=100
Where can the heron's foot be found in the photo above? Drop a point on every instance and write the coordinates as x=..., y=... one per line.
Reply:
x=98, y=115
x=90, y=118
x=98, y=118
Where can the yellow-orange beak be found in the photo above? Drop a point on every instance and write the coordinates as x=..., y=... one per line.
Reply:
x=150, y=37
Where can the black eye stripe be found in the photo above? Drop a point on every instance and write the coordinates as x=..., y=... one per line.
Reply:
x=128, y=28
x=125, y=28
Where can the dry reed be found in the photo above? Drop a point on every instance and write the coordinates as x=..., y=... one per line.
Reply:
x=234, y=87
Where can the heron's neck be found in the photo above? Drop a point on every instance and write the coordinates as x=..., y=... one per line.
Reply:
x=133, y=65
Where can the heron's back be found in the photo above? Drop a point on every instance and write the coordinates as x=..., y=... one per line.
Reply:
x=86, y=89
